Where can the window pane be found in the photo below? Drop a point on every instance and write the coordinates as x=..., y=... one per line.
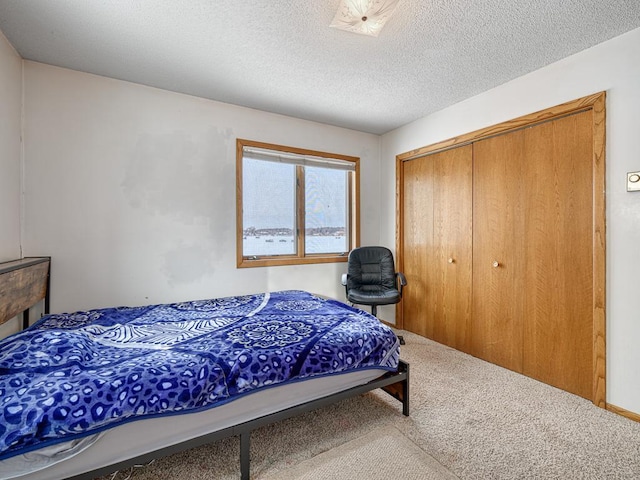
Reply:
x=269, y=201
x=326, y=212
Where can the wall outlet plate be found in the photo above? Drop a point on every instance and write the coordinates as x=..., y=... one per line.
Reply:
x=633, y=182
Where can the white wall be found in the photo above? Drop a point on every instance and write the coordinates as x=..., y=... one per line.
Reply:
x=10, y=158
x=613, y=66
x=10, y=150
x=131, y=190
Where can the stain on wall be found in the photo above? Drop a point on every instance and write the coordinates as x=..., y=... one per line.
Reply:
x=188, y=263
x=188, y=178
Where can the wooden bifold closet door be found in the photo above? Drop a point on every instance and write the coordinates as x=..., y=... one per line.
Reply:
x=437, y=246
x=558, y=298
x=501, y=239
x=498, y=263
x=532, y=269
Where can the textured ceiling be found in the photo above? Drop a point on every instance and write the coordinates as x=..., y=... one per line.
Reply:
x=281, y=56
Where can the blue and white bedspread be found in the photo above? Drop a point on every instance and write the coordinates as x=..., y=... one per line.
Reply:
x=72, y=375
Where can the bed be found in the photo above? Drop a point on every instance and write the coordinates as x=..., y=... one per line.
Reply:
x=88, y=393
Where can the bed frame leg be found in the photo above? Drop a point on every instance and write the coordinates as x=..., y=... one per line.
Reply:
x=25, y=319
x=245, y=455
x=405, y=393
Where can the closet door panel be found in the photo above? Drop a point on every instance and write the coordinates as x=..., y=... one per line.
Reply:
x=559, y=270
x=453, y=232
x=498, y=263
x=418, y=246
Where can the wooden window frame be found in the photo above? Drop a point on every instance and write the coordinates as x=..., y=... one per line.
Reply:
x=300, y=258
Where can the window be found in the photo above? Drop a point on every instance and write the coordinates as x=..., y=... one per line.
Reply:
x=294, y=206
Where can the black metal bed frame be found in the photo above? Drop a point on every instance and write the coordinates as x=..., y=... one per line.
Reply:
x=394, y=383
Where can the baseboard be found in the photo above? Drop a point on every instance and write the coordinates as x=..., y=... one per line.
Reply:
x=625, y=413
x=388, y=324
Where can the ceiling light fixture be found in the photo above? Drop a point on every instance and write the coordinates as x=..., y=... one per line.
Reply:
x=363, y=16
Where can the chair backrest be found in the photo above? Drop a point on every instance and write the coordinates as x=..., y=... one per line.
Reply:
x=371, y=266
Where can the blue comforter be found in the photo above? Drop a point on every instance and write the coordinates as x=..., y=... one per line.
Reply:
x=72, y=375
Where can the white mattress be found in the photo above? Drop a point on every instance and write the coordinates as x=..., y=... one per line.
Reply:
x=137, y=438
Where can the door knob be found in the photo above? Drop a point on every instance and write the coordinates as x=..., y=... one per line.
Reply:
x=495, y=264
x=451, y=260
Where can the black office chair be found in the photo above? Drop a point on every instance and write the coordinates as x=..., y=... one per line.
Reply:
x=372, y=279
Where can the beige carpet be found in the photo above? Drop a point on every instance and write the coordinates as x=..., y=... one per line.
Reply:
x=477, y=420
x=384, y=453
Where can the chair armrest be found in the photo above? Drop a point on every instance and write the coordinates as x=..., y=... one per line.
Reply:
x=403, y=281
x=345, y=276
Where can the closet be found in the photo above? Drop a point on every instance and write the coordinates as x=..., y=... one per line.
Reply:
x=501, y=237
